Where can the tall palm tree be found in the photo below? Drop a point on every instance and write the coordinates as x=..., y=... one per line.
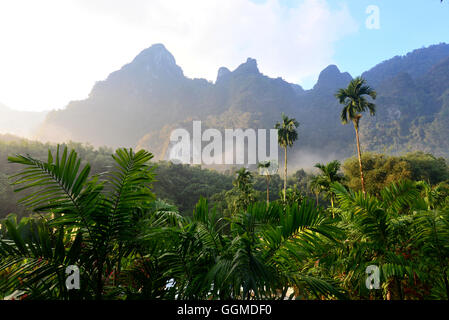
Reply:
x=354, y=100
x=315, y=187
x=264, y=170
x=328, y=175
x=287, y=135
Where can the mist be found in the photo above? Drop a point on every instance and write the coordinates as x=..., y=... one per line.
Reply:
x=20, y=123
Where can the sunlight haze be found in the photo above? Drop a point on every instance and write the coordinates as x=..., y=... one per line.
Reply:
x=53, y=51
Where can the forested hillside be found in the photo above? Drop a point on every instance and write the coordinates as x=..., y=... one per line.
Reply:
x=183, y=185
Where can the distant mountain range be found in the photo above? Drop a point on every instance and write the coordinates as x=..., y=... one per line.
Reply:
x=142, y=102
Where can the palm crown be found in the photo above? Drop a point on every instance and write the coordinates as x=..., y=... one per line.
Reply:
x=355, y=101
x=287, y=133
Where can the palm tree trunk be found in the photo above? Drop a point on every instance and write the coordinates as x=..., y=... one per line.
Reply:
x=285, y=172
x=356, y=127
x=332, y=206
x=268, y=191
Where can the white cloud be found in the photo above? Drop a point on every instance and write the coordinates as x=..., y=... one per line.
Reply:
x=53, y=51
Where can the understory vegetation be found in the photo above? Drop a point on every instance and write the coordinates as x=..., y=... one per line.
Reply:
x=129, y=244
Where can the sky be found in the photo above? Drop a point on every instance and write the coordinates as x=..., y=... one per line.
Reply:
x=53, y=51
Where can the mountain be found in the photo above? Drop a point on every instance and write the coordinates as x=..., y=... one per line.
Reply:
x=140, y=104
x=21, y=123
x=330, y=78
x=140, y=97
x=417, y=63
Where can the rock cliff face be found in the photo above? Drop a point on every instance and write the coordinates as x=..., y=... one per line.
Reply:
x=331, y=78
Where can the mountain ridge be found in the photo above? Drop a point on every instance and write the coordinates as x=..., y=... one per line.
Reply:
x=151, y=95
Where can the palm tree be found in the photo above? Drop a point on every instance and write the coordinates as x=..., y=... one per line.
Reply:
x=265, y=249
x=354, y=101
x=376, y=235
x=85, y=222
x=287, y=135
x=328, y=175
x=315, y=187
x=431, y=233
x=243, y=187
x=264, y=170
x=243, y=179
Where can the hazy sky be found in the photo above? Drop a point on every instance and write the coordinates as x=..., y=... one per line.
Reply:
x=53, y=51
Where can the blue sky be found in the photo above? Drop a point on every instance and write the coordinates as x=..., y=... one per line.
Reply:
x=54, y=51
x=405, y=25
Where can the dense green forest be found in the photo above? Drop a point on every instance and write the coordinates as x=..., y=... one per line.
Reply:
x=133, y=226
x=183, y=185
